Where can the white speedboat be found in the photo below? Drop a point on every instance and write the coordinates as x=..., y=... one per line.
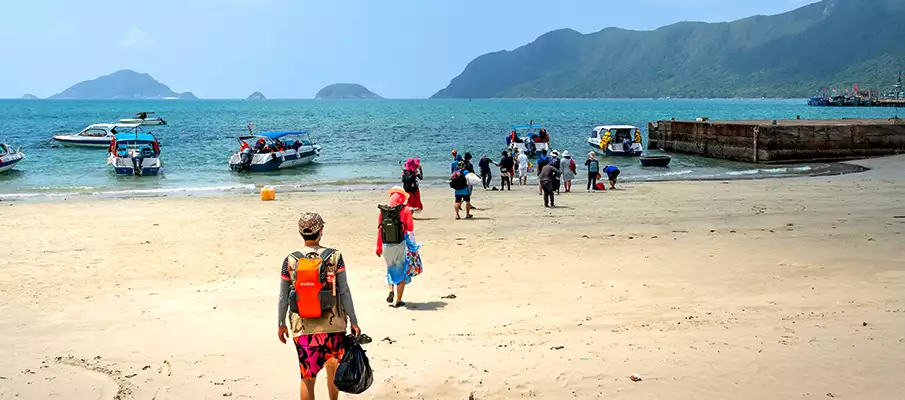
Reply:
x=9, y=157
x=271, y=151
x=616, y=140
x=135, y=154
x=96, y=135
x=143, y=120
x=529, y=140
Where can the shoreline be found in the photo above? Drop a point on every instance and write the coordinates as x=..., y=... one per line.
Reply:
x=757, y=172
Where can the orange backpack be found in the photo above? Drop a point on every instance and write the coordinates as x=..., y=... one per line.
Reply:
x=313, y=291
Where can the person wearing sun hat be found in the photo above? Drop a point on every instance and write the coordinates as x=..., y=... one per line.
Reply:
x=396, y=244
x=593, y=170
x=318, y=341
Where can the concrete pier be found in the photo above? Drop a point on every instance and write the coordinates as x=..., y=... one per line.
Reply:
x=781, y=141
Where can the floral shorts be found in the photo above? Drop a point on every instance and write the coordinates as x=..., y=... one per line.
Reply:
x=316, y=349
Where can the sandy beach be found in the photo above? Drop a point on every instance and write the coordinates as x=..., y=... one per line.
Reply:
x=769, y=289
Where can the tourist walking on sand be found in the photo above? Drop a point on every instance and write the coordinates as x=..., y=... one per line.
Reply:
x=396, y=244
x=542, y=161
x=486, y=174
x=522, y=168
x=411, y=174
x=547, y=178
x=612, y=172
x=555, y=162
x=462, y=191
x=593, y=171
x=507, y=168
x=318, y=318
x=567, y=166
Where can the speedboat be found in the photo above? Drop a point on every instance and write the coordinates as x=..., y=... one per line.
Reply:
x=528, y=140
x=270, y=151
x=135, y=154
x=143, y=120
x=9, y=157
x=616, y=140
x=96, y=135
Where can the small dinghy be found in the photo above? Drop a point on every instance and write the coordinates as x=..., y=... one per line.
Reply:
x=9, y=157
x=655, y=161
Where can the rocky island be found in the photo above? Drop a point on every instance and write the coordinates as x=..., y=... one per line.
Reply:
x=29, y=96
x=346, y=91
x=123, y=84
x=256, y=96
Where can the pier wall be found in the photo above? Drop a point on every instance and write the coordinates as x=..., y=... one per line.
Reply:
x=782, y=141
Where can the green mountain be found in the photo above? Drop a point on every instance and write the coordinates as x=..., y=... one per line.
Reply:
x=123, y=84
x=829, y=44
x=346, y=91
x=256, y=96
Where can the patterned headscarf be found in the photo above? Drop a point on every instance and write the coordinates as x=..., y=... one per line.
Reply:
x=310, y=223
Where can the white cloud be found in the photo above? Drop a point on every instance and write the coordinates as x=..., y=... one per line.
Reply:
x=136, y=37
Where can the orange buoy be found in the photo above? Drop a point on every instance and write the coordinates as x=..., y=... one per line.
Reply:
x=268, y=193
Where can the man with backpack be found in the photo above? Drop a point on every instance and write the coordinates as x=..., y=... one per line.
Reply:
x=507, y=169
x=315, y=293
x=593, y=171
x=462, y=191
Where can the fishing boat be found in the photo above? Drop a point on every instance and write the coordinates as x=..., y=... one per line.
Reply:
x=9, y=157
x=96, y=135
x=271, y=151
x=529, y=140
x=616, y=140
x=135, y=154
x=655, y=161
x=143, y=120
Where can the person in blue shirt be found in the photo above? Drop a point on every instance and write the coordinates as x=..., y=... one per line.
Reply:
x=612, y=172
x=543, y=160
x=455, y=163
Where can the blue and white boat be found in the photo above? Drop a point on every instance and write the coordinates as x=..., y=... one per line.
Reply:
x=135, y=154
x=616, y=140
x=9, y=157
x=96, y=135
x=271, y=151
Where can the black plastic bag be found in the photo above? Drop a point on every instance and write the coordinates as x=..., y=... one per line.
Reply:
x=354, y=372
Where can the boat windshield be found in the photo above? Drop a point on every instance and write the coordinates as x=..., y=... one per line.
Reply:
x=94, y=132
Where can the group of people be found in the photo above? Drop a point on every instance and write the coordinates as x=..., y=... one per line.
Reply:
x=315, y=298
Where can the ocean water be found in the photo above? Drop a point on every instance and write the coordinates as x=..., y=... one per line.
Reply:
x=364, y=142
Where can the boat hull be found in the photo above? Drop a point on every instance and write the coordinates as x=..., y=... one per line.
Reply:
x=124, y=166
x=102, y=142
x=613, y=151
x=9, y=162
x=143, y=122
x=275, y=161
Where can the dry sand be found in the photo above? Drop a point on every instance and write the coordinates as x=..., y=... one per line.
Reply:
x=773, y=289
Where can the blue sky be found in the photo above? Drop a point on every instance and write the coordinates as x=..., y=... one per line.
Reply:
x=292, y=48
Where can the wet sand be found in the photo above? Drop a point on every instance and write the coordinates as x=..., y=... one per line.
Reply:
x=784, y=288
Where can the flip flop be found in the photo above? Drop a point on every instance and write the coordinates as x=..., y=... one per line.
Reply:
x=469, y=216
x=399, y=304
x=390, y=297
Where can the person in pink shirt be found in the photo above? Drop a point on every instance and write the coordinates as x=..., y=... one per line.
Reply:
x=396, y=244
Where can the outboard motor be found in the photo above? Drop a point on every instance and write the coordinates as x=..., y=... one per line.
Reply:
x=137, y=160
x=530, y=148
x=245, y=158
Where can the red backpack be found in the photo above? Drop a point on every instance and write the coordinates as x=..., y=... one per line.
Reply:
x=313, y=291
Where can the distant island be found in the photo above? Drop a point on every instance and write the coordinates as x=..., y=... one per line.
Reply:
x=256, y=96
x=790, y=55
x=123, y=84
x=346, y=91
x=29, y=96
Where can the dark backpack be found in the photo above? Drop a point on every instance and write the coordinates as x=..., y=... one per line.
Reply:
x=409, y=181
x=391, y=229
x=458, y=181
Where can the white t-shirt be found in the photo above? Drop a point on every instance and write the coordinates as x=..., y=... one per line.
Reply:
x=523, y=161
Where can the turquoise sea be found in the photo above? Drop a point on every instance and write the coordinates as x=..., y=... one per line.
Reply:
x=364, y=142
